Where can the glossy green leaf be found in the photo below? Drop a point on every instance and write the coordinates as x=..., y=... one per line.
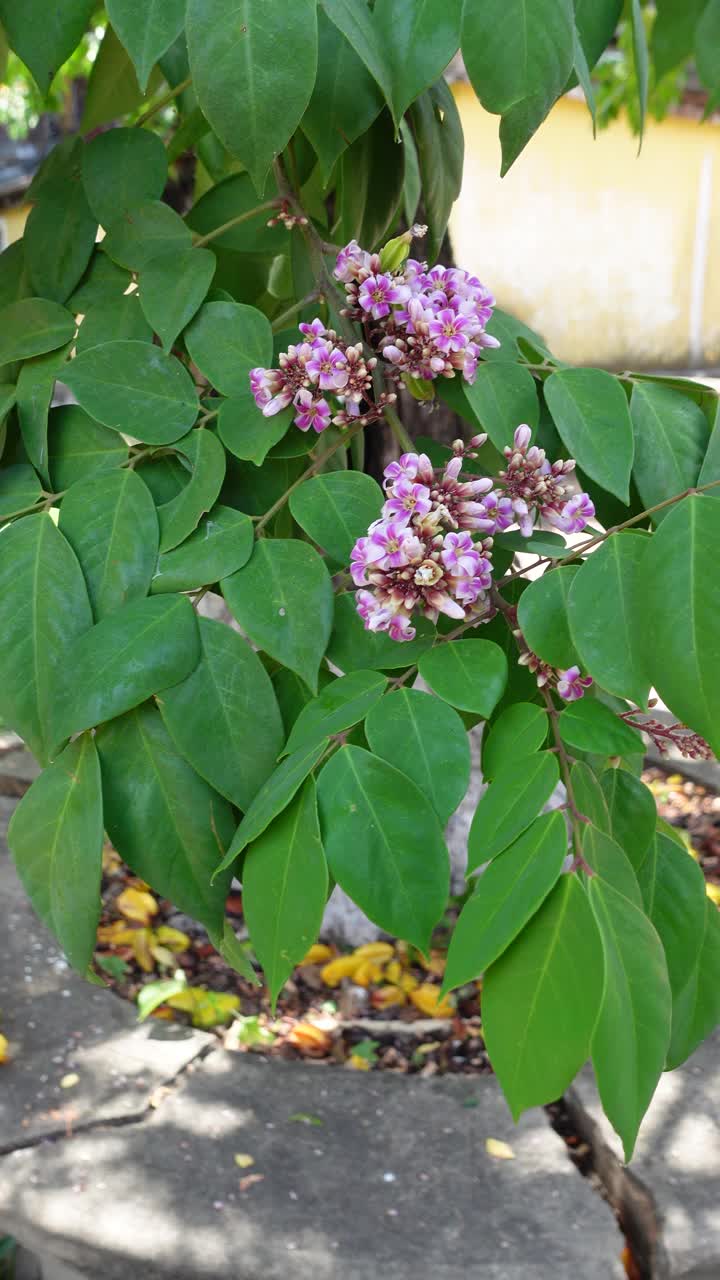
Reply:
x=440, y=152
x=245, y=432
x=111, y=525
x=710, y=470
x=589, y=798
x=610, y=863
x=696, y=1008
x=370, y=184
x=253, y=97
x=120, y=319
x=517, y=49
x=419, y=39
x=340, y=705
x=137, y=236
x=590, y=410
x=336, y=509
x=383, y=843
x=426, y=740
x=104, y=281
x=228, y=200
x=222, y=543
x=543, y=617
x=512, y=801
x=19, y=488
x=273, y=797
x=469, y=674
x=346, y=98
x=352, y=648
x=112, y=90
x=285, y=884
x=365, y=37
x=33, y=394
x=503, y=396
x=44, y=609
x=507, y=895
x=680, y=603
x=673, y=32
x=172, y=287
x=671, y=436
x=181, y=515
x=224, y=717
x=542, y=543
x=632, y=810
x=163, y=819
x=134, y=388
x=226, y=340
x=44, y=37
x=606, y=620
x=541, y=999
x=519, y=731
x=140, y=650
x=59, y=238
x=673, y=888
x=283, y=599
x=31, y=327
x=79, y=447
x=589, y=725
x=123, y=168
x=631, y=1038
x=147, y=28
x=56, y=839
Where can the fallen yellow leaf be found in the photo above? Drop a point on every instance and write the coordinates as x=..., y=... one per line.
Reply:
x=111, y=860
x=117, y=934
x=142, y=947
x=408, y=982
x=387, y=996
x=358, y=1062
x=70, y=1080
x=393, y=971
x=425, y=998
x=310, y=1039
x=341, y=967
x=375, y=951
x=499, y=1150
x=368, y=971
x=243, y=1161
x=4, y=1050
x=713, y=892
x=137, y=905
x=317, y=954
x=174, y=939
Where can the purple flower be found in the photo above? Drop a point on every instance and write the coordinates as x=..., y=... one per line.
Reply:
x=401, y=628
x=359, y=562
x=404, y=469
x=375, y=615
x=571, y=685
x=378, y=292
x=574, y=515
x=392, y=545
x=350, y=262
x=459, y=555
x=498, y=513
x=406, y=500
x=263, y=385
x=448, y=330
x=328, y=367
x=314, y=331
x=311, y=412
x=467, y=590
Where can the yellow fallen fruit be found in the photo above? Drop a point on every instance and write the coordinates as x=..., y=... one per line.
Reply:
x=408, y=982
x=367, y=972
x=117, y=934
x=393, y=972
x=174, y=939
x=341, y=967
x=713, y=892
x=499, y=1150
x=142, y=948
x=317, y=954
x=137, y=905
x=425, y=998
x=375, y=951
x=4, y=1050
x=386, y=997
x=358, y=1062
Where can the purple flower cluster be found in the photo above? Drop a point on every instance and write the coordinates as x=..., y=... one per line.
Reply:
x=427, y=323
x=324, y=378
x=534, y=486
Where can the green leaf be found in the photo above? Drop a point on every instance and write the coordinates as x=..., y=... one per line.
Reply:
x=427, y=740
x=181, y=515
x=707, y=36
x=542, y=997
x=120, y=319
x=469, y=674
x=79, y=447
x=136, y=237
x=611, y=864
x=412, y=183
x=34, y=392
x=582, y=71
x=245, y=432
x=345, y=100
x=710, y=470
x=59, y=239
x=673, y=33
x=283, y=599
x=153, y=994
x=228, y=200
x=419, y=39
x=503, y=396
x=542, y=543
x=366, y=38
x=147, y=28
x=352, y=648
x=44, y=608
x=164, y=820
x=134, y=388
x=632, y=1033
x=274, y=795
x=224, y=716
x=370, y=184
x=512, y=801
x=507, y=895
x=680, y=603
x=517, y=49
x=112, y=90
x=336, y=509
x=222, y=543
x=543, y=617
x=111, y=525
x=252, y=95
x=696, y=1008
x=519, y=731
x=632, y=810
x=123, y=168
x=172, y=287
x=19, y=488
x=226, y=340
x=140, y=650
x=56, y=839
x=607, y=623
x=440, y=153
x=673, y=888
x=640, y=58
x=234, y=952
x=285, y=884
x=671, y=436
x=103, y=282
x=590, y=411
x=384, y=844
x=590, y=798
x=31, y=327
x=341, y=704
x=44, y=37
x=589, y=725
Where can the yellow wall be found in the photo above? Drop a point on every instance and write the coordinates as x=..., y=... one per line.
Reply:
x=613, y=257
x=12, y=223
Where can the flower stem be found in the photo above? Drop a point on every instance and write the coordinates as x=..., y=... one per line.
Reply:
x=279, y=321
x=398, y=429
x=235, y=222
x=163, y=102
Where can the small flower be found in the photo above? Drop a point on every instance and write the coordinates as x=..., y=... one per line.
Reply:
x=459, y=554
x=374, y=614
x=571, y=685
x=401, y=628
x=328, y=367
x=448, y=330
x=407, y=499
x=405, y=468
x=311, y=412
x=392, y=545
x=314, y=331
x=497, y=514
x=574, y=515
x=378, y=292
x=359, y=562
x=350, y=262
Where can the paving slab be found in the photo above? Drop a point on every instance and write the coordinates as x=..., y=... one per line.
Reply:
x=354, y=1175
x=59, y=1026
x=677, y=1159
